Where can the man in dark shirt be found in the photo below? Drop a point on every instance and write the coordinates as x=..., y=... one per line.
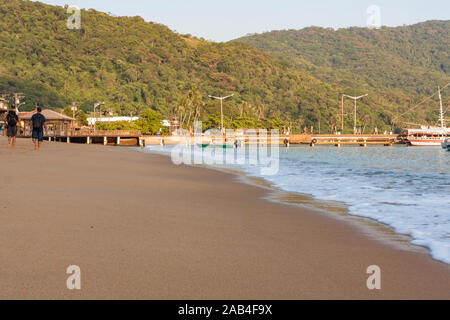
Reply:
x=12, y=121
x=38, y=122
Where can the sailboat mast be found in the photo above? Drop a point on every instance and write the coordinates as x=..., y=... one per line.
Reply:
x=442, y=109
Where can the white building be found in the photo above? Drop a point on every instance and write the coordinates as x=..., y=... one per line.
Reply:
x=93, y=121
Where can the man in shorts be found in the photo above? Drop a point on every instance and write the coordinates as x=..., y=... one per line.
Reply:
x=12, y=121
x=37, y=123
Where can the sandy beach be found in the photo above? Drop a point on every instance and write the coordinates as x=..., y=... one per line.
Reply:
x=140, y=227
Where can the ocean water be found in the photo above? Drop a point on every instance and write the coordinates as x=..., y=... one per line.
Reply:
x=405, y=188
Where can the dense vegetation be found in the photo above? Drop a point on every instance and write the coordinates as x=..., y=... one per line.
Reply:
x=400, y=65
x=135, y=66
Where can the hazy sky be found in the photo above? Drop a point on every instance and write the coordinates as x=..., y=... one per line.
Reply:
x=230, y=19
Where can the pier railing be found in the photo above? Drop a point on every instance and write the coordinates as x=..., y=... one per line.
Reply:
x=82, y=133
x=362, y=140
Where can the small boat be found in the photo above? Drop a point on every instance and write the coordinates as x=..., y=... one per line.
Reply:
x=446, y=143
x=219, y=146
x=225, y=146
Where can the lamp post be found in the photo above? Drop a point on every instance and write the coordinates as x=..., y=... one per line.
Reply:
x=98, y=104
x=221, y=110
x=74, y=108
x=355, y=99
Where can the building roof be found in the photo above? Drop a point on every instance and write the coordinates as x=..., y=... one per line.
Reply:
x=48, y=114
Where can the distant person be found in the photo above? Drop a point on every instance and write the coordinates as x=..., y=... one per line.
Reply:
x=37, y=123
x=12, y=121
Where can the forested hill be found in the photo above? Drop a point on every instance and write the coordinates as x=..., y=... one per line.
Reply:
x=133, y=65
x=401, y=61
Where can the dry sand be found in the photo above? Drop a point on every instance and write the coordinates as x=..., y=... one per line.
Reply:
x=141, y=228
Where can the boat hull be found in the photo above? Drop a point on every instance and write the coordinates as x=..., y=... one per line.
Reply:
x=219, y=146
x=425, y=143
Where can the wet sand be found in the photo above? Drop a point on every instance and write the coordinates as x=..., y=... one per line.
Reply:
x=140, y=227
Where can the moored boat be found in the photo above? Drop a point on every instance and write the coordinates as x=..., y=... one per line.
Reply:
x=219, y=146
x=428, y=135
x=225, y=146
x=446, y=143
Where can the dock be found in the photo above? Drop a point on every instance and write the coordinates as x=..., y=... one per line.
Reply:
x=361, y=140
x=304, y=139
x=91, y=136
x=136, y=138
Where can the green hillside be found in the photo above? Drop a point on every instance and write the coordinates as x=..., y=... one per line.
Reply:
x=133, y=66
x=402, y=64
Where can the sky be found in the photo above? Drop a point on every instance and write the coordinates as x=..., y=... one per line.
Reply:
x=226, y=20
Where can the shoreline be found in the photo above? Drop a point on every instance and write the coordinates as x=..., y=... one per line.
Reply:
x=142, y=228
x=373, y=228
x=377, y=230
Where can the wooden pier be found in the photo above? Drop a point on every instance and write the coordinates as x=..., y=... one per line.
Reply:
x=361, y=140
x=312, y=140
x=135, y=138
x=90, y=136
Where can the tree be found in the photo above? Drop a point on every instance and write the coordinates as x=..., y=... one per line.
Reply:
x=80, y=115
x=149, y=122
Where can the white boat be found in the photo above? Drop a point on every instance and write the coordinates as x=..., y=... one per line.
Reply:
x=430, y=136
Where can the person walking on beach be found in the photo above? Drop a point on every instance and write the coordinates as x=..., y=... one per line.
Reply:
x=37, y=122
x=12, y=121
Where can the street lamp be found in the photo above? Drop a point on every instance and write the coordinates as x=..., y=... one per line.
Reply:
x=355, y=99
x=221, y=109
x=98, y=104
